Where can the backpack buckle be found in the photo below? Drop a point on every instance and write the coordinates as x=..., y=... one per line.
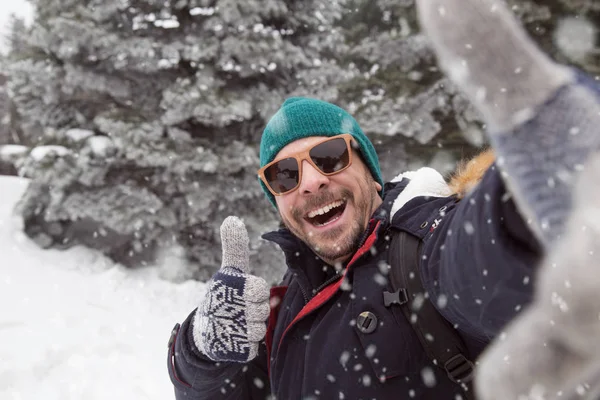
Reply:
x=399, y=297
x=459, y=369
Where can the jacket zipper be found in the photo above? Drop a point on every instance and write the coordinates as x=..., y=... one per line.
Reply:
x=329, y=281
x=306, y=298
x=305, y=311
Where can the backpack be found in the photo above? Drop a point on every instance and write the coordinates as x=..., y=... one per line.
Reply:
x=439, y=338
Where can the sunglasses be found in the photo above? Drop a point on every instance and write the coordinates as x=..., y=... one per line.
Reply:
x=330, y=156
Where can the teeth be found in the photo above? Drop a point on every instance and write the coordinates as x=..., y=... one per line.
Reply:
x=328, y=222
x=325, y=209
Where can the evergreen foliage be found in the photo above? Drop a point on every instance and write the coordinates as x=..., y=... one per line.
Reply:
x=159, y=107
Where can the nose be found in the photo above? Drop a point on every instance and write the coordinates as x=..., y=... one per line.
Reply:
x=312, y=179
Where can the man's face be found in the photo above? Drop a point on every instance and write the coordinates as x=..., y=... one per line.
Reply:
x=329, y=213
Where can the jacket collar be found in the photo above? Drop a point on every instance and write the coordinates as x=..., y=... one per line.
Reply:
x=300, y=259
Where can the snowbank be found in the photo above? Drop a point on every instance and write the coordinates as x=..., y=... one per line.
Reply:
x=76, y=326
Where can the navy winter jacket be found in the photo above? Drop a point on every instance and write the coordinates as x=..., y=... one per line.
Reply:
x=477, y=264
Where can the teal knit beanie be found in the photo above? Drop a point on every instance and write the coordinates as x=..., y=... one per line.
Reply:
x=301, y=117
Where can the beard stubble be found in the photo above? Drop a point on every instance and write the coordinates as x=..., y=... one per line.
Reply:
x=339, y=242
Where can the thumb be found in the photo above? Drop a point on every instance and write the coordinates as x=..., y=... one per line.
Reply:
x=234, y=239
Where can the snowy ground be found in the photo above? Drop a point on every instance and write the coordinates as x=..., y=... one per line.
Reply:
x=75, y=326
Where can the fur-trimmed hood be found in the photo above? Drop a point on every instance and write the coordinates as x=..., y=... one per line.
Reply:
x=428, y=182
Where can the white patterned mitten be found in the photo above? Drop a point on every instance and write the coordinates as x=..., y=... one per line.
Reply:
x=230, y=322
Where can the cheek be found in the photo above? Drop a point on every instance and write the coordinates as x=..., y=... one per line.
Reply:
x=284, y=206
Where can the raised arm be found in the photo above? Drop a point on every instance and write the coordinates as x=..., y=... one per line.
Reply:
x=542, y=117
x=480, y=260
x=219, y=351
x=543, y=121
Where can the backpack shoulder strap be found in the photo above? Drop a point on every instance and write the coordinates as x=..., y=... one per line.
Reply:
x=439, y=338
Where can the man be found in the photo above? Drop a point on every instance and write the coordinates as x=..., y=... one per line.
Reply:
x=322, y=174
x=330, y=333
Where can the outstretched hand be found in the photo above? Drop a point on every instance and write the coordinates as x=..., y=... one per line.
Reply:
x=542, y=117
x=485, y=51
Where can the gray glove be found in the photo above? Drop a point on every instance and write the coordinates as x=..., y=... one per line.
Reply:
x=542, y=117
x=551, y=351
x=231, y=321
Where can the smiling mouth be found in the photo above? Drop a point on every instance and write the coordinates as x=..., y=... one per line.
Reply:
x=327, y=214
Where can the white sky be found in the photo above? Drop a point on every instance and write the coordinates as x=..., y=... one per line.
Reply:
x=8, y=7
x=76, y=326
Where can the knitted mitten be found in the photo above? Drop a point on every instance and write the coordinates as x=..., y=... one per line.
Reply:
x=542, y=117
x=230, y=322
x=552, y=350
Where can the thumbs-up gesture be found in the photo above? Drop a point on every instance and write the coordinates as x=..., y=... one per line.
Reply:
x=230, y=322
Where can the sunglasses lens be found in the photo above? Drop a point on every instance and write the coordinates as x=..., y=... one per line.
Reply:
x=283, y=176
x=331, y=156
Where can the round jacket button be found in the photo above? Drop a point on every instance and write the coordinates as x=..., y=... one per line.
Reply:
x=366, y=322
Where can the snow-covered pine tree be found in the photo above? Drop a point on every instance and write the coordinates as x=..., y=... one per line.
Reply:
x=173, y=95
x=15, y=38
x=4, y=109
x=404, y=101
